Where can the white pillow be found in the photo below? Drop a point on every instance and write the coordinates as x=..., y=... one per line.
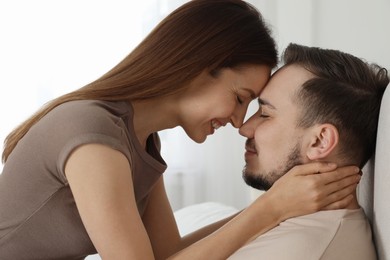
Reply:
x=193, y=217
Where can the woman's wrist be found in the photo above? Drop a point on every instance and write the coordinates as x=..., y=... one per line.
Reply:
x=272, y=205
x=264, y=213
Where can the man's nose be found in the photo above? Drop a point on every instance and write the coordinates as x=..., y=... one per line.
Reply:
x=248, y=128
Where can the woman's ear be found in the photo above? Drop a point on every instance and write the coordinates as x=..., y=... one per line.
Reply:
x=323, y=140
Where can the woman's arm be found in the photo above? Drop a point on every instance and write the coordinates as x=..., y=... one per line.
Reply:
x=162, y=228
x=298, y=192
x=101, y=183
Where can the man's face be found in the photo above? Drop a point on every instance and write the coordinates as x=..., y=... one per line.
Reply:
x=275, y=144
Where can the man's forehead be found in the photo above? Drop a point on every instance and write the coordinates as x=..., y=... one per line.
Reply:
x=290, y=76
x=283, y=84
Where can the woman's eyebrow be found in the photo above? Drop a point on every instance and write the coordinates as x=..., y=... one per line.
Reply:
x=263, y=102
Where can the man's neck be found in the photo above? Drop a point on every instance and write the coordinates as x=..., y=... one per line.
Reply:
x=354, y=203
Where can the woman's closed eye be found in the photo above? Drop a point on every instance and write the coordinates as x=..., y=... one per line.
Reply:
x=239, y=100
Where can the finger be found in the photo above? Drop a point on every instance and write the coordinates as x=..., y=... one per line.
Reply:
x=347, y=171
x=339, y=174
x=313, y=167
x=340, y=204
x=340, y=199
x=339, y=185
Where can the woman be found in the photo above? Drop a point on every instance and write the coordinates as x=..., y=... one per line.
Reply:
x=84, y=174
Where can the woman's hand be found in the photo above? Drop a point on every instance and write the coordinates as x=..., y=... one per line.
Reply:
x=300, y=191
x=312, y=187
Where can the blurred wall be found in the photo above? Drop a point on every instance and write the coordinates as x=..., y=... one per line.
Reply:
x=359, y=27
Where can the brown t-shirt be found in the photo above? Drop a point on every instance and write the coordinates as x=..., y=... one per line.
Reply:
x=38, y=215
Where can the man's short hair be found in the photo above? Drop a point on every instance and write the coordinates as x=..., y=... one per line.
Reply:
x=345, y=92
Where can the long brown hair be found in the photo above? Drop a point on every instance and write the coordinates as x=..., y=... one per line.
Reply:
x=199, y=35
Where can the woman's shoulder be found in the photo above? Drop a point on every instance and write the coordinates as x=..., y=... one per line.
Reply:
x=88, y=107
x=89, y=111
x=83, y=116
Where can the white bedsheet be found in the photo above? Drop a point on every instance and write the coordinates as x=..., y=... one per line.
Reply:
x=193, y=217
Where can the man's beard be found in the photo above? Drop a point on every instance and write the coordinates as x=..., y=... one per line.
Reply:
x=265, y=180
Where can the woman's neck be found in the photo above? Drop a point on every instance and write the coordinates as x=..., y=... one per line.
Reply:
x=153, y=115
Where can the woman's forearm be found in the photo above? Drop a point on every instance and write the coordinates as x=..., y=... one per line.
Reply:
x=284, y=200
x=256, y=219
x=203, y=232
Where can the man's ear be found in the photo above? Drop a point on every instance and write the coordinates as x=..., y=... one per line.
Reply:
x=324, y=138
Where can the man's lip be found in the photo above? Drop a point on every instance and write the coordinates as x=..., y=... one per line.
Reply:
x=249, y=154
x=250, y=150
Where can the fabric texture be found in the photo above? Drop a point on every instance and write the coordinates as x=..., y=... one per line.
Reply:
x=325, y=235
x=38, y=215
x=194, y=217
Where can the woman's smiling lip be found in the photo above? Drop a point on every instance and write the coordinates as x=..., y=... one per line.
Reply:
x=216, y=124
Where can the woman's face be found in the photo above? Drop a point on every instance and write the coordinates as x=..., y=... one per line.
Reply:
x=213, y=101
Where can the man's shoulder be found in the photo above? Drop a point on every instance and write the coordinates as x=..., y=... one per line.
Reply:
x=353, y=239
x=326, y=218
x=305, y=237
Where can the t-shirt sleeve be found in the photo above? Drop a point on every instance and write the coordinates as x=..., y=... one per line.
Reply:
x=83, y=139
x=77, y=123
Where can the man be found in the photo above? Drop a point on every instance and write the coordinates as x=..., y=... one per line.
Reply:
x=322, y=105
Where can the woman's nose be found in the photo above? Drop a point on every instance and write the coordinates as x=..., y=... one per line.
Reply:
x=237, y=119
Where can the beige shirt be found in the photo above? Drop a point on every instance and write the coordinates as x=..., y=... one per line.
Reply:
x=38, y=214
x=325, y=235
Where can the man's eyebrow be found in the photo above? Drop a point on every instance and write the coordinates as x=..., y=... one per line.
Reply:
x=263, y=102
